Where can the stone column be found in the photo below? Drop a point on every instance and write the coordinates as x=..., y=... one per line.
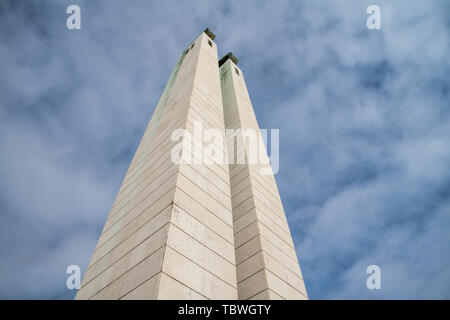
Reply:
x=169, y=233
x=266, y=261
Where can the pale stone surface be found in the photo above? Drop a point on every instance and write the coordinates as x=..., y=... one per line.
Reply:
x=203, y=234
x=253, y=285
x=133, y=278
x=267, y=294
x=266, y=261
x=196, y=209
x=141, y=236
x=132, y=227
x=126, y=263
x=196, y=230
x=155, y=203
x=205, y=199
x=250, y=266
x=146, y=291
x=192, y=275
x=248, y=249
x=169, y=234
x=170, y=289
x=244, y=220
x=200, y=254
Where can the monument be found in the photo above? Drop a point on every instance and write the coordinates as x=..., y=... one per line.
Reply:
x=198, y=229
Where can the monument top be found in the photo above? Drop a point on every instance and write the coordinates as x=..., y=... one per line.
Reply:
x=210, y=33
x=230, y=56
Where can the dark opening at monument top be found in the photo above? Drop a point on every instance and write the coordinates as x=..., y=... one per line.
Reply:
x=230, y=56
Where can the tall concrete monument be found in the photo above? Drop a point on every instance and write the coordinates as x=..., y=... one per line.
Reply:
x=199, y=229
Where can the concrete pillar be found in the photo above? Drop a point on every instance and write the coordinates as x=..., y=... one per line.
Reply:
x=200, y=228
x=169, y=234
x=266, y=261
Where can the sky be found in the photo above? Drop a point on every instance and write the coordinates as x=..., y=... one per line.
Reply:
x=364, y=120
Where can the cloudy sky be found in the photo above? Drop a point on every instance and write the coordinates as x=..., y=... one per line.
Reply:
x=364, y=119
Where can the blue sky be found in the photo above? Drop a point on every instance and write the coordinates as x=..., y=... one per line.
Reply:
x=363, y=115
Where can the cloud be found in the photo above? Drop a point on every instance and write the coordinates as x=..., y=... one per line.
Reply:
x=363, y=118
